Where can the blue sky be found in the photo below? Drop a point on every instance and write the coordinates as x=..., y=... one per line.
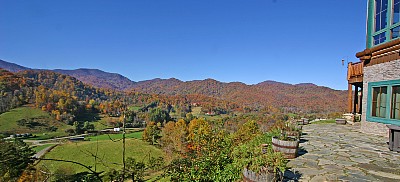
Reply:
x=291, y=41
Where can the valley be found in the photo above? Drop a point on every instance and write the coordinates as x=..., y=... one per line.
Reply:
x=204, y=91
x=76, y=118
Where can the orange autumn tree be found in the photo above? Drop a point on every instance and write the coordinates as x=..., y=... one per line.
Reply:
x=152, y=133
x=246, y=132
x=207, y=154
x=174, y=137
x=200, y=133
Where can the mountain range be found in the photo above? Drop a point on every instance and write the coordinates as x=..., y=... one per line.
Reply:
x=304, y=97
x=94, y=77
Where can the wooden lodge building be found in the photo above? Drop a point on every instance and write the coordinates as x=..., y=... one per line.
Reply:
x=376, y=78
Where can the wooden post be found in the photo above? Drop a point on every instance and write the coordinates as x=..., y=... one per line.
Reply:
x=355, y=99
x=349, y=70
x=349, y=98
x=361, y=96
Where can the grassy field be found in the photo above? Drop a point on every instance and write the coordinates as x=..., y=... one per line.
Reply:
x=102, y=123
x=109, y=154
x=137, y=135
x=196, y=111
x=8, y=120
x=49, y=135
x=134, y=108
x=41, y=147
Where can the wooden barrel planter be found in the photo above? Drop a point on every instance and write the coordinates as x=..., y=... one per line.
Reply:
x=300, y=122
x=264, y=175
x=341, y=121
x=287, y=148
x=293, y=134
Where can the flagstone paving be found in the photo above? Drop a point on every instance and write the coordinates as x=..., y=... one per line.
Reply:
x=330, y=152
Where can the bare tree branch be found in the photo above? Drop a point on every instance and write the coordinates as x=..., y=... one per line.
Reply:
x=97, y=174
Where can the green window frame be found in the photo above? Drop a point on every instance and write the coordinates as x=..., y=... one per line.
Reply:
x=383, y=22
x=395, y=107
x=379, y=99
x=383, y=102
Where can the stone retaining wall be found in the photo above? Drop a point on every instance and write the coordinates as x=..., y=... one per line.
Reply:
x=379, y=72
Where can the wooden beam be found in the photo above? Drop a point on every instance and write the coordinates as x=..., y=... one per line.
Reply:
x=356, y=79
x=355, y=110
x=349, y=70
x=361, y=96
x=349, y=98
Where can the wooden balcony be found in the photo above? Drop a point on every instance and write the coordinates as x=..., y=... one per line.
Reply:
x=355, y=72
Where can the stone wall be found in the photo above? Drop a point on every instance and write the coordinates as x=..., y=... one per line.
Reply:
x=379, y=72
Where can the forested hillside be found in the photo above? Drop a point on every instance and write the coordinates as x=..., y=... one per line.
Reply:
x=99, y=78
x=62, y=95
x=66, y=98
x=302, y=97
x=307, y=98
x=14, y=90
x=94, y=77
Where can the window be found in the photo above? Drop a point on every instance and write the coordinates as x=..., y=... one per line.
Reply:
x=395, y=109
x=380, y=38
x=379, y=101
x=383, y=103
x=383, y=21
x=396, y=11
x=395, y=33
x=380, y=14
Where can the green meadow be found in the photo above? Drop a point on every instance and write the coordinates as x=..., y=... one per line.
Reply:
x=108, y=152
x=9, y=123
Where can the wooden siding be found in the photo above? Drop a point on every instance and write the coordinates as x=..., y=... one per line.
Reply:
x=355, y=72
x=386, y=52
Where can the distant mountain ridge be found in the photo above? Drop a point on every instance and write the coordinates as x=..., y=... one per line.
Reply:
x=99, y=78
x=94, y=77
x=12, y=67
x=302, y=96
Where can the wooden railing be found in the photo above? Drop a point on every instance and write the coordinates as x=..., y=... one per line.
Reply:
x=355, y=72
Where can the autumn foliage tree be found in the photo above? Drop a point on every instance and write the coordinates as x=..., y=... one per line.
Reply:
x=159, y=115
x=151, y=133
x=14, y=90
x=246, y=132
x=199, y=133
x=174, y=137
x=206, y=155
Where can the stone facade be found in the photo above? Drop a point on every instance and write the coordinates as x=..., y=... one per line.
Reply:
x=379, y=72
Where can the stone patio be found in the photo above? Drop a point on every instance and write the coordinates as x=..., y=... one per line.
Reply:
x=330, y=152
